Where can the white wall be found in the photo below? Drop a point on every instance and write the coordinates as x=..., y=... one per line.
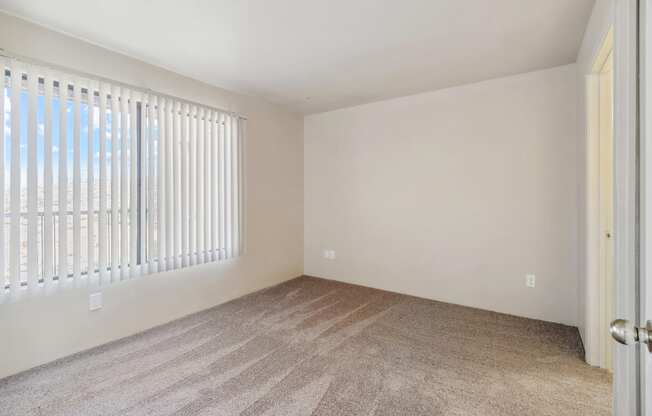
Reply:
x=588, y=186
x=36, y=331
x=452, y=195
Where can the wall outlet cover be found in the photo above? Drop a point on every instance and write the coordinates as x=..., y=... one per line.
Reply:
x=530, y=280
x=328, y=254
x=95, y=301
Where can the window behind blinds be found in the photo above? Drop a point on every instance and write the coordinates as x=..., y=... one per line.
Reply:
x=100, y=182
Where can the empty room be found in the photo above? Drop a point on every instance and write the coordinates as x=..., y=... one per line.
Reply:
x=308, y=207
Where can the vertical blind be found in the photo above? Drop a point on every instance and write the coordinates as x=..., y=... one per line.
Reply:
x=100, y=182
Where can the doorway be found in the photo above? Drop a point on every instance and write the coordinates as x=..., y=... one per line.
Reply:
x=601, y=122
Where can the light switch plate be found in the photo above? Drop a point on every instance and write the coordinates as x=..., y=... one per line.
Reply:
x=95, y=301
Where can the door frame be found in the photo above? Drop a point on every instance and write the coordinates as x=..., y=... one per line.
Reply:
x=597, y=321
x=645, y=133
x=605, y=203
x=627, y=400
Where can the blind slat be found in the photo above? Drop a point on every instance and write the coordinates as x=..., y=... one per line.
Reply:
x=241, y=187
x=133, y=187
x=199, y=182
x=235, y=185
x=115, y=185
x=159, y=185
x=14, y=245
x=48, y=185
x=124, y=174
x=76, y=196
x=184, y=180
x=214, y=187
x=228, y=178
x=222, y=185
x=169, y=191
x=102, y=231
x=3, y=272
x=62, y=244
x=207, y=193
x=193, y=188
x=146, y=223
x=32, y=181
x=177, y=184
x=90, y=175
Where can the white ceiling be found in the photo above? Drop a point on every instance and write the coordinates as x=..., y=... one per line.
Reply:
x=314, y=56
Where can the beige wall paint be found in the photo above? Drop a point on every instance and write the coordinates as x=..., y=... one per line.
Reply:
x=452, y=195
x=35, y=331
x=588, y=156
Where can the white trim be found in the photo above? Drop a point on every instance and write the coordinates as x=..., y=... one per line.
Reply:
x=645, y=285
x=625, y=222
x=595, y=326
x=592, y=222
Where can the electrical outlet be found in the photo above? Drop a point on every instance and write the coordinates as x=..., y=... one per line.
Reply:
x=95, y=301
x=530, y=280
x=328, y=254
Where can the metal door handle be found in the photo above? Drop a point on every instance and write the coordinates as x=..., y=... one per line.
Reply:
x=627, y=333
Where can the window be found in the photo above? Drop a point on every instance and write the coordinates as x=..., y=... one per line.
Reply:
x=102, y=182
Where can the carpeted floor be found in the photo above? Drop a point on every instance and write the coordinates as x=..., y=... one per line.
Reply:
x=312, y=346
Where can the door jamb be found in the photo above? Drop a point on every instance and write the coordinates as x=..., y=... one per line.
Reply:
x=626, y=366
x=595, y=326
x=645, y=134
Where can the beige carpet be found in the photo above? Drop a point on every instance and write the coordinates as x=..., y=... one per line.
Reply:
x=312, y=346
